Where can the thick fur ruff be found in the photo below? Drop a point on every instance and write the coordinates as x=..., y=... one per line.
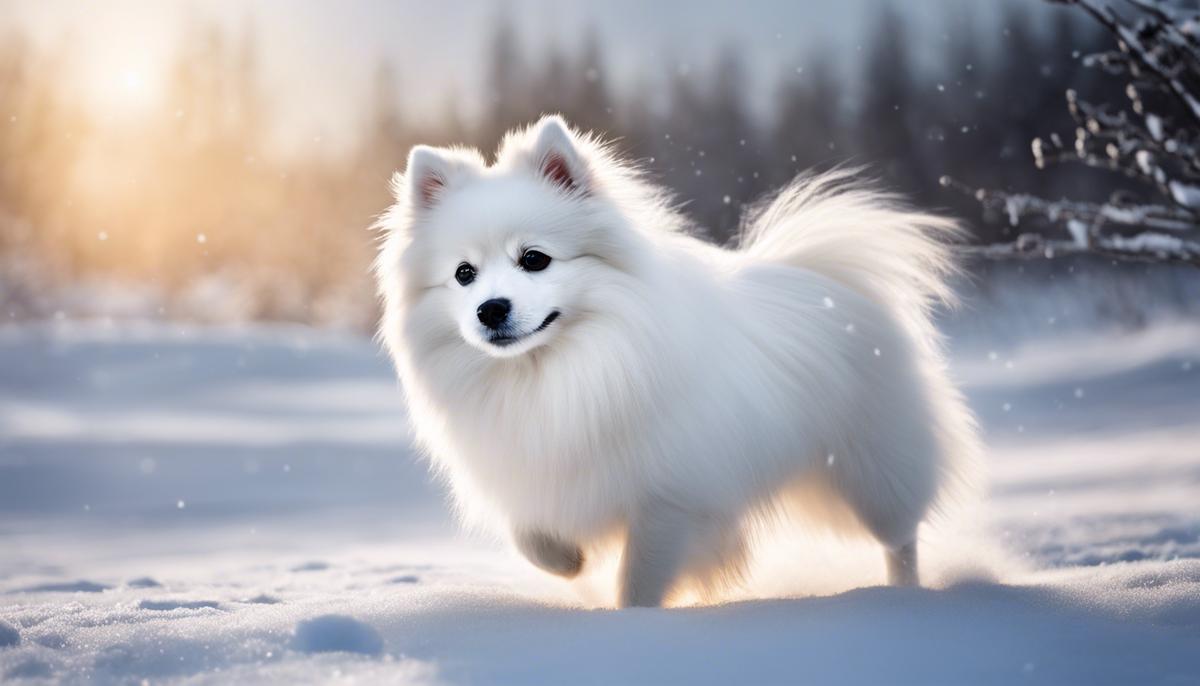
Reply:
x=683, y=392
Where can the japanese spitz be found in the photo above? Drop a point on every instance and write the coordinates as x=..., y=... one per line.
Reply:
x=583, y=372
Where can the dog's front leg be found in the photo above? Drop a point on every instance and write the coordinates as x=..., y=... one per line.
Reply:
x=549, y=553
x=654, y=552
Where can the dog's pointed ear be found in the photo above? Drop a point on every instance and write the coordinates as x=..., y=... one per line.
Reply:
x=430, y=172
x=557, y=155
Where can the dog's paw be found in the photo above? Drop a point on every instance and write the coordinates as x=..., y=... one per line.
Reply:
x=551, y=554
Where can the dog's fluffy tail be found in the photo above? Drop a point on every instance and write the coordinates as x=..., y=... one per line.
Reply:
x=838, y=225
x=871, y=242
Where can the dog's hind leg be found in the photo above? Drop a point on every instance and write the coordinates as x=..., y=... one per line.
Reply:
x=902, y=565
x=896, y=531
x=891, y=511
x=549, y=553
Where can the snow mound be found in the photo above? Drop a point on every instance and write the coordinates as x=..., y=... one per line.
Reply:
x=143, y=582
x=81, y=586
x=31, y=668
x=168, y=605
x=336, y=634
x=314, y=566
x=9, y=636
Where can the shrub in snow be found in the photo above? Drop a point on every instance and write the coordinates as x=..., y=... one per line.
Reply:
x=336, y=633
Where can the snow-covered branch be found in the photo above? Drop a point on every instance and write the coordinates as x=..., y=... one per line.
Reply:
x=1149, y=233
x=1152, y=137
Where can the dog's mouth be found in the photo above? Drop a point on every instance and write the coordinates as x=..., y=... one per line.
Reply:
x=503, y=340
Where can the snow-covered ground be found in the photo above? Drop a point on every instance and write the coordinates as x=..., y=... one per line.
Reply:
x=242, y=505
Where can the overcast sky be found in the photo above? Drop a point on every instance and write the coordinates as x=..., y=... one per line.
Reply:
x=318, y=57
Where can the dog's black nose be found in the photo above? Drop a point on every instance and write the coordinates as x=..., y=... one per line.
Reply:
x=493, y=312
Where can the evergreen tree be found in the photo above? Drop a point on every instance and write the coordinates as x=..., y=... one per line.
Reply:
x=807, y=130
x=888, y=121
x=385, y=126
x=556, y=89
x=507, y=88
x=592, y=106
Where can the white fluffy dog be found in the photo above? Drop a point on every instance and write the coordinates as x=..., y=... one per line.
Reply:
x=582, y=371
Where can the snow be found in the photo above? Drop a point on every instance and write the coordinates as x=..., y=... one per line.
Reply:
x=67, y=587
x=1014, y=205
x=1154, y=126
x=1078, y=231
x=314, y=548
x=9, y=636
x=1185, y=194
x=1151, y=242
x=143, y=582
x=336, y=633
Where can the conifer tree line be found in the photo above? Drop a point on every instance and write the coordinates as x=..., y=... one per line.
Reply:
x=975, y=111
x=194, y=200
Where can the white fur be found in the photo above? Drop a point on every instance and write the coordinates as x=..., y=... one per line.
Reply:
x=687, y=391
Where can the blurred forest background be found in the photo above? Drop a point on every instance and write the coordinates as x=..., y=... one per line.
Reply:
x=189, y=212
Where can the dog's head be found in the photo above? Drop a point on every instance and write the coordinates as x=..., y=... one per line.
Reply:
x=501, y=254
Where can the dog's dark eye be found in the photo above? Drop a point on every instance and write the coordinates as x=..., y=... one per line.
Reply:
x=465, y=274
x=534, y=261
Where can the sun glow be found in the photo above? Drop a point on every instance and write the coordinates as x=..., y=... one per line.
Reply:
x=133, y=82
x=122, y=61
x=122, y=85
